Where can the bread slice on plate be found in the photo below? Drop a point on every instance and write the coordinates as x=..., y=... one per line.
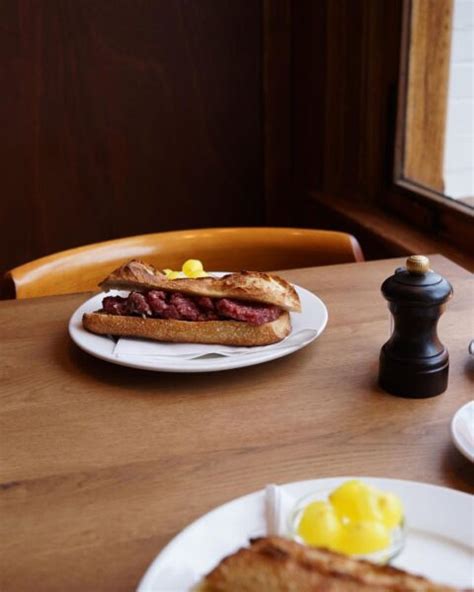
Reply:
x=275, y=564
x=170, y=330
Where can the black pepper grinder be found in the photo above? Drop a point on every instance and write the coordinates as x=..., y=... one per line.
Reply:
x=414, y=363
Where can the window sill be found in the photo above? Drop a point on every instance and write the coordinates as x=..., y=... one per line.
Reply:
x=379, y=233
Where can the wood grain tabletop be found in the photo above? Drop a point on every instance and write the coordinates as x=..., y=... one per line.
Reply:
x=101, y=465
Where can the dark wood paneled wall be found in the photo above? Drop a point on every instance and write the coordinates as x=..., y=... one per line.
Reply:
x=346, y=64
x=345, y=56
x=337, y=63
x=277, y=111
x=122, y=117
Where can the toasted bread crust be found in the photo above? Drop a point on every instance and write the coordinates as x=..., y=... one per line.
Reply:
x=275, y=564
x=221, y=332
x=247, y=285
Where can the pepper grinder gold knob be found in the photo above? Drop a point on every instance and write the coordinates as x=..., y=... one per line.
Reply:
x=418, y=264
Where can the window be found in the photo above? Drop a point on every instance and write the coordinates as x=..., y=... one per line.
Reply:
x=435, y=144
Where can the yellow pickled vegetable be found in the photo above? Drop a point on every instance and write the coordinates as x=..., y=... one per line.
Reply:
x=357, y=519
x=198, y=274
x=391, y=509
x=173, y=275
x=356, y=501
x=362, y=537
x=320, y=526
x=192, y=266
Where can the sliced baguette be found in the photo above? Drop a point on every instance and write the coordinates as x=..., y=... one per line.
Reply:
x=221, y=332
x=275, y=564
x=246, y=285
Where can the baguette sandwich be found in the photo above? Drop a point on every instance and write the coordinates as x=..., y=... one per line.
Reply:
x=242, y=309
x=275, y=564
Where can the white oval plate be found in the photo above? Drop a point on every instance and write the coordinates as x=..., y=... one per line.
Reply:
x=439, y=542
x=310, y=323
x=462, y=430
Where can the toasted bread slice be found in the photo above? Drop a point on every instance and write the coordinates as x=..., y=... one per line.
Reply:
x=247, y=285
x=170, y=330
x=275, y=564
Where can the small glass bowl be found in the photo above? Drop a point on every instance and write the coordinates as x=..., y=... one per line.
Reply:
x=384, y=556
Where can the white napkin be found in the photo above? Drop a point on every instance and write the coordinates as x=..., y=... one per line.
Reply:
x=128, y=347
x=278, y=506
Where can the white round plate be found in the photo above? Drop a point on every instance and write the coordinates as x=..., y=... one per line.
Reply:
x=310, y=323
x=439, y=543
x=462, y=430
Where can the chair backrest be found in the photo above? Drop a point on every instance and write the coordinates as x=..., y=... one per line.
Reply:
x=220, y=249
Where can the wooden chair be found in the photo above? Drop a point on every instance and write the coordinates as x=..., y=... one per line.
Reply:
x=220, y=249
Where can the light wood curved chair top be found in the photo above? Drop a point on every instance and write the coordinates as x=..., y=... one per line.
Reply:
x=220, y=249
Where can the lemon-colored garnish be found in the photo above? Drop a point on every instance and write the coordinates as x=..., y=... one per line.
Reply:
x=391, y=509
x=174, y=275
x=192, y=268
x=356, y=500
x=357, y=519
x=198, y=274
x=320, y=525
x=362, y=537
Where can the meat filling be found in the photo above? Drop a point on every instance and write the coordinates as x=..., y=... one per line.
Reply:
x=176, y=305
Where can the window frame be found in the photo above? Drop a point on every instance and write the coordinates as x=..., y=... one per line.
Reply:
x=414, y=201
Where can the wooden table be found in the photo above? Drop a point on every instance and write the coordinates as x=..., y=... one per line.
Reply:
x=102, y=465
